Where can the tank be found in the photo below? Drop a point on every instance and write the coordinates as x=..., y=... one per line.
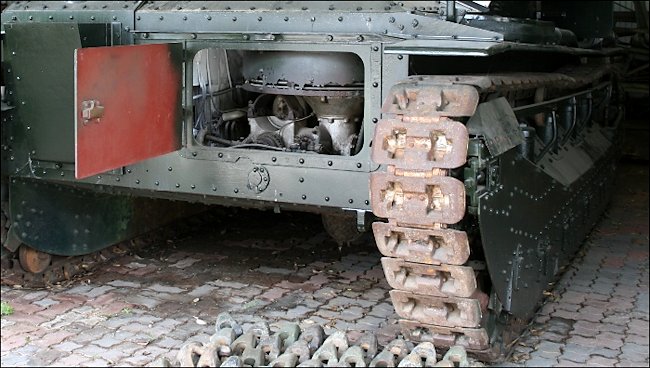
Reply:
x=478, y=146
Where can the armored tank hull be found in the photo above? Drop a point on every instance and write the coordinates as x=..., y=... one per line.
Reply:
x=479, y=148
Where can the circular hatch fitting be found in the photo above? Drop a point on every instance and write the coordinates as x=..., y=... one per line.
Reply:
x=258, y=179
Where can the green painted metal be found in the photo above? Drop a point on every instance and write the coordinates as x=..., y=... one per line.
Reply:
x=94, y=35
x=216, y=175
x=40, y=143
x=303, y=17
x=42, y=73
x=82, y=12
x=68, y=221
x=220, y=175
x=532, y=224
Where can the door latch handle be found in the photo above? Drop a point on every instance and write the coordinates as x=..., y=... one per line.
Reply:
x=91, y=109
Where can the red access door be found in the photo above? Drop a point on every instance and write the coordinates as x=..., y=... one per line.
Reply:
x=128, y=105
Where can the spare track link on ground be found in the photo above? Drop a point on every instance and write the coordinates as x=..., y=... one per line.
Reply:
x=290, y=346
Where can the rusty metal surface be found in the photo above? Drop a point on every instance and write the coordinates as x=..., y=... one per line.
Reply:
x=431, y=246
x=413, y=110
x=566, y=77
x=419, y=142
x=443, y=280
x=441, y=311
x=128, y=105
x=260, y=347
x=418, y=98
x=412, y=200
x=473, y=339
x=442, y=144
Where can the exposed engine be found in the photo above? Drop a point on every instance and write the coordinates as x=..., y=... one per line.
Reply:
x=296, y=102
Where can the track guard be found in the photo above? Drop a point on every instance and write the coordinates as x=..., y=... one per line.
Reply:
x=531, y=224
x=67, y=221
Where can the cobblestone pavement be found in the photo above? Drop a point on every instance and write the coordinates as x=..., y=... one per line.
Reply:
x=142, y=306
x=597, y=313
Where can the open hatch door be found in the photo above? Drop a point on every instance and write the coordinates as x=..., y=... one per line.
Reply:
x=127, y=105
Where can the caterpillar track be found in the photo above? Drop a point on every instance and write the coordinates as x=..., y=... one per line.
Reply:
x=441, y=289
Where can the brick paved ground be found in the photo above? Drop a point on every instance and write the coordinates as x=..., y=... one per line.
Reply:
x=140, y=307
x=597, y=314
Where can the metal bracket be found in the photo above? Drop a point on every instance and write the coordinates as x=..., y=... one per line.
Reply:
x=494, y=174
x=361, y=220
x=12, y=242
x=116, y=33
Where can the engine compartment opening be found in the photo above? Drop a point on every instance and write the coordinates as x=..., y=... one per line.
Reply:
x=278, y=100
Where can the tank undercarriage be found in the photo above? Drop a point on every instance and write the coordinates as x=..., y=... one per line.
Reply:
x=443, y=188
x=483, y=179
